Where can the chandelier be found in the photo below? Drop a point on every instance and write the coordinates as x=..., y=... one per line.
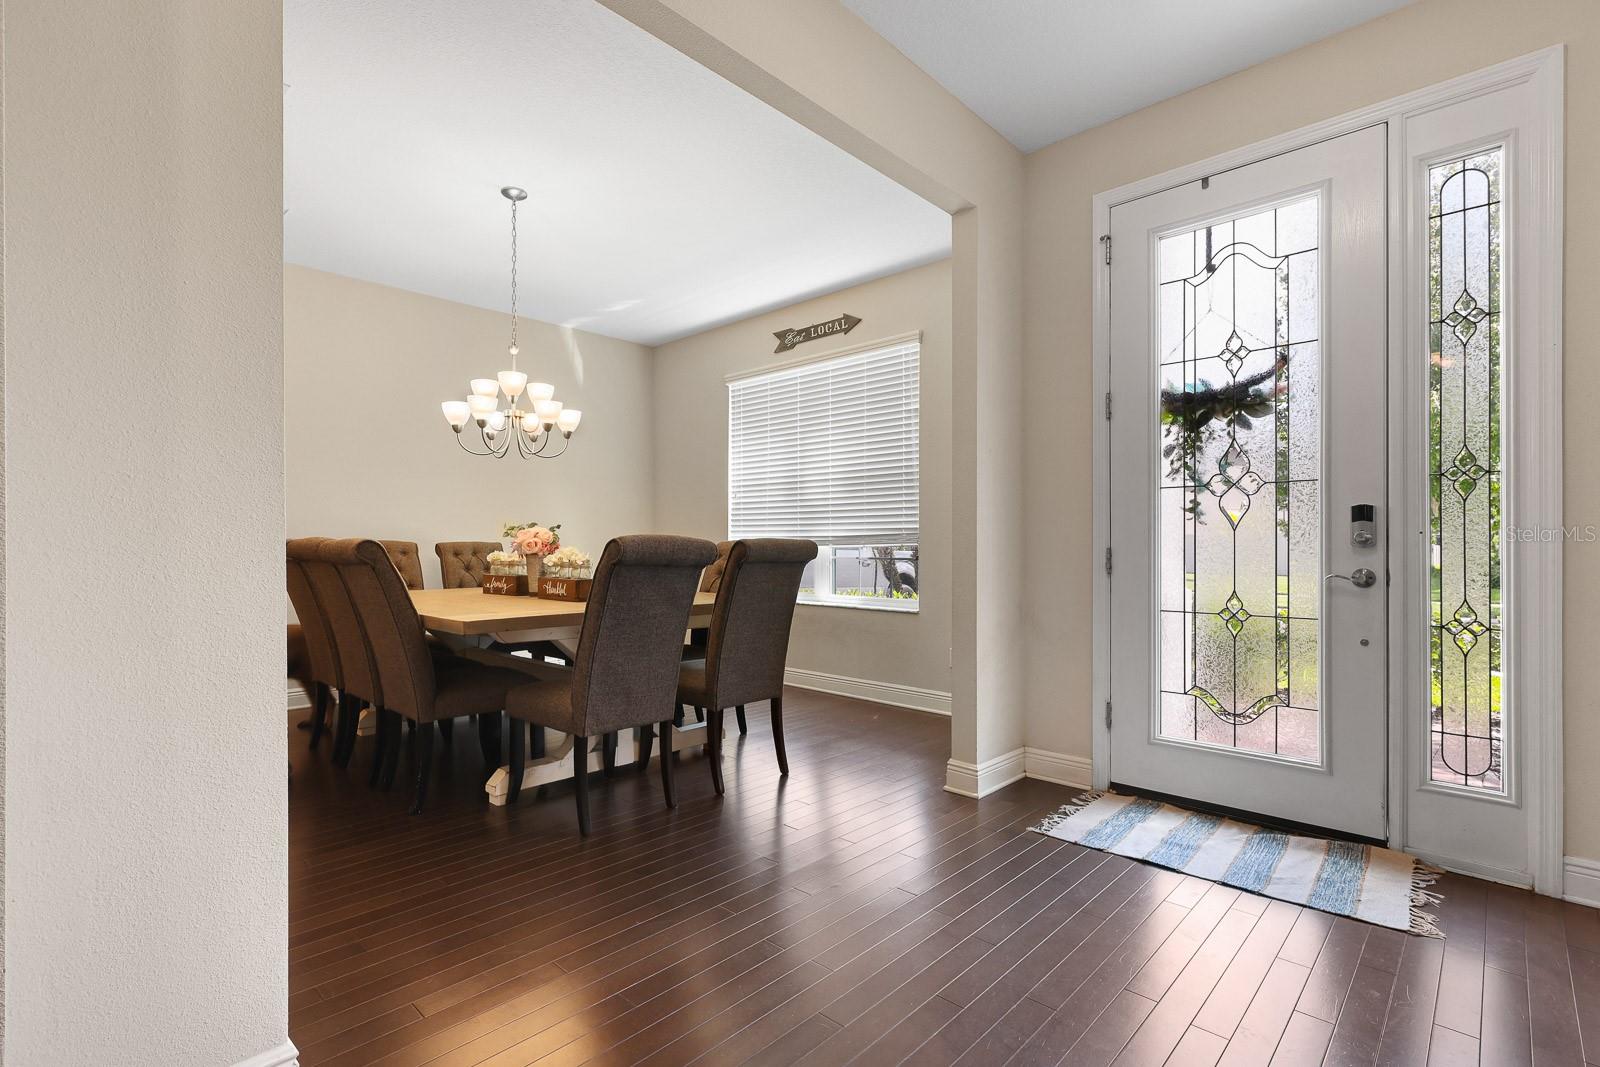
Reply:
x=533, y=429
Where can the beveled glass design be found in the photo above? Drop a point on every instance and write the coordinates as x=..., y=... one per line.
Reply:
x=1466, y=719
x=1240, y=498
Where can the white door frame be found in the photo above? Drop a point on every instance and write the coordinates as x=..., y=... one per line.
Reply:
x=1539, y=648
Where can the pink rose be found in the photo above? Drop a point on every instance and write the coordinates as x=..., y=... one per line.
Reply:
x=536, y=541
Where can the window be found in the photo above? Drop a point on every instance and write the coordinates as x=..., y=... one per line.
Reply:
x=1467, y=720
x=828, y=450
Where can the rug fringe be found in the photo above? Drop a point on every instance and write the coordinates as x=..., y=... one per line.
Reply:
x=1424, y=923
x=1069, y=809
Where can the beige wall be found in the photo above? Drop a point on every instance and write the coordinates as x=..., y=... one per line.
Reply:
x=145, y=792
x=1417, y=46
x=352, y=347
x=691, y=446
x=824, y=68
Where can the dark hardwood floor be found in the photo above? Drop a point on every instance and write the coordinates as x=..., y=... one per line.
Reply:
x=856, y=910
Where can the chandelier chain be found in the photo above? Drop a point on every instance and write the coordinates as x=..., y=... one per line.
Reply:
x=513, y=274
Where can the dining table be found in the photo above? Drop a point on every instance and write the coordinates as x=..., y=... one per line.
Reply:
x=471, y=618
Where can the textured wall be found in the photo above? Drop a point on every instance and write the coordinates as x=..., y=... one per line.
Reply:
x=145, y=796
x=1419, y=45
x=351, y=346
x=691, y=486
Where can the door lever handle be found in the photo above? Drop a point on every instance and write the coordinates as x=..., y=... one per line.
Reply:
x=1361, y=577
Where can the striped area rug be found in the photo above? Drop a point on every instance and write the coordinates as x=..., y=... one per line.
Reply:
x=1376, y=885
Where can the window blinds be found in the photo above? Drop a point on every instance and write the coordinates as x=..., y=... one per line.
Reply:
x=827, y=450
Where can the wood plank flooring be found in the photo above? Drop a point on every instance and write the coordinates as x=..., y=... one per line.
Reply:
x=857, y=912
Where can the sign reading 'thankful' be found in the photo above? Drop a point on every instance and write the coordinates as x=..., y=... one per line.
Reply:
x=787, y=339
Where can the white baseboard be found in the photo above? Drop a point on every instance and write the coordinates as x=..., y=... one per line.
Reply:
x=284, y=1055
x=1057, y=767
x=1581, y=883
x=981, y=779
x=892, y=693
x=298, y=698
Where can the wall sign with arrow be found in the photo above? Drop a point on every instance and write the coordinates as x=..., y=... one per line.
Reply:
x=787, y=339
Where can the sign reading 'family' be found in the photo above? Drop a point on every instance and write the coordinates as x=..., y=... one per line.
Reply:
x=787, y=339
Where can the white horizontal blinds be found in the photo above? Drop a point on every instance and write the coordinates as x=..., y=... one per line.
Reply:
x=827, y=450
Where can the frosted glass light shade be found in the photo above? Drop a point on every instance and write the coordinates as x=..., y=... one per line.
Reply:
x=568, y=419
x=485, y=387
x=497, y=421
x=530, y=423
x=456, y=412
x=548, y=410
x=512, y=383
x=538, y=391
x=480, y=406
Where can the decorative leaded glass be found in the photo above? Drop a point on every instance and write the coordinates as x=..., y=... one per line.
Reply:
x=1241, y=502
x=1466, y=721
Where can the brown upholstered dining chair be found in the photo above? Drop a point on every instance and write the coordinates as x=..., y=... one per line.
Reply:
x=748, y=642
x=627, y=658
x=464, y=563
x=407, y=560
x=414, y=682
x=357, y=680
x=318, y=668
x=710, y=579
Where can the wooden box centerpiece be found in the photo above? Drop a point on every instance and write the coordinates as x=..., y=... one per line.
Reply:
x=575, y=589
x=506, y=584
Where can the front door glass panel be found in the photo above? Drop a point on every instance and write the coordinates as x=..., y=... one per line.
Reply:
x=1240, y=583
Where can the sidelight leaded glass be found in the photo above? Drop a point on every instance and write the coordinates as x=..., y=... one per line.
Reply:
x=1241, y=501
x=1466, y=721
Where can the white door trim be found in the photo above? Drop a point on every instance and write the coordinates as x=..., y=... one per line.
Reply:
x=1541, y=656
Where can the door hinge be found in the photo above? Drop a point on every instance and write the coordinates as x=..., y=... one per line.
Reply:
x=1105, y=240
x=1108, y=407
x=1108, y=559
x=1108, y=715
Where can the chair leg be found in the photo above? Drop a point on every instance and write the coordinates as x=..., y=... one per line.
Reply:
x=677, y=714
x=391, y=756
x=344, y=736
x=489, y=741
x=645, y=740
x=608, y=754
x=580, y=781
x=714, y=748
x=320, y=698
x=777, y=735
x=447, y=733
x=380, y=748
x=738, y=713
x=699, y=714
x=666, y=765
x=535, y=741
x=519, y=731
x=424, y=755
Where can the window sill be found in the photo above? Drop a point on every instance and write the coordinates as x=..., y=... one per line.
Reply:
x=901, y=607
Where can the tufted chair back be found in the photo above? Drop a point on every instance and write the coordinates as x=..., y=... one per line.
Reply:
x=407, y=560
x=628, y=653
x=711, y=577
x=464, y=563
x=749, y=640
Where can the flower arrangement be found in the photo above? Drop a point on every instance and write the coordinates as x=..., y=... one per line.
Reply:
x=507, y=563
x=532, y=540
x=567, y=563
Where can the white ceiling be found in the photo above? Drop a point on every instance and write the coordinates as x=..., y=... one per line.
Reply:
x=1041, y=70
x=663, y=200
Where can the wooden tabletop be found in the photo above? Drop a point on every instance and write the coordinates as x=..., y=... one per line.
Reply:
x=471, y=612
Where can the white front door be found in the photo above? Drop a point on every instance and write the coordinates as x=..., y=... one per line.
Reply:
x=1248, y=371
